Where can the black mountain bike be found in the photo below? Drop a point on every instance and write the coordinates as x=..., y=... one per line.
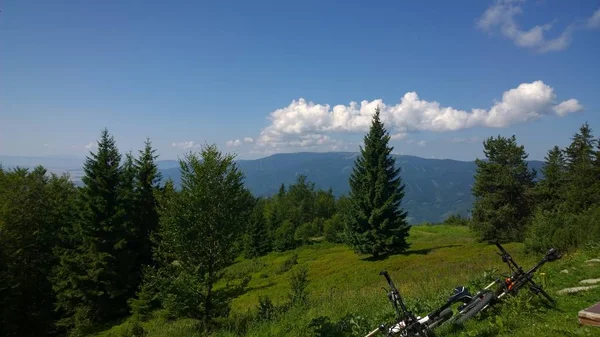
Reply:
x=408, y=324
x=508, y=286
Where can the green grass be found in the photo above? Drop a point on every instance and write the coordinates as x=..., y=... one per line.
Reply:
x=439, y=259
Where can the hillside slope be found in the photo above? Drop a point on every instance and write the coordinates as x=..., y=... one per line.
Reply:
x=342, y=283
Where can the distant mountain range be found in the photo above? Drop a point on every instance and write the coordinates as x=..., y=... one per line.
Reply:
x=435, y=188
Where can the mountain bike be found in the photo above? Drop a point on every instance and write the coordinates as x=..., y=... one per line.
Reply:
x=507, y=286
x=408, y=324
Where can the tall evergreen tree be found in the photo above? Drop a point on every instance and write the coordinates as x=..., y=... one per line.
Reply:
x=257, y=237
x=92, y=279
x=33, y=207
x=550, y=190
x=502, y=190
x=376, y=223
x=147, y=185
x=581, y=173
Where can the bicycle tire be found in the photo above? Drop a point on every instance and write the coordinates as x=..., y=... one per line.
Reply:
x=443, y=316
x=480, y=303
x=548, y=298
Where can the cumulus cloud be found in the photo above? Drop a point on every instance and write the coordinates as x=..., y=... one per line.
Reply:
x=190, y=144
x=304, y=123
x=248, y=140
x=233, y=143
x=46, y=145
x=90, y=145
x=568, y=106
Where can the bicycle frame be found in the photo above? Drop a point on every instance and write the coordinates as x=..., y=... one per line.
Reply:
x=518, y=278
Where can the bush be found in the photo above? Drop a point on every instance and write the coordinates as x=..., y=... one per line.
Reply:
x=562, y=230
x=298, y=283
x=456, y=220
x=266, y=309
x=284, y=237
x=305, y=232
x=288, y=264
x=333, y=229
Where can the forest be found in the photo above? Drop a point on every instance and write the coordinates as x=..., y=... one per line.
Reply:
x=129, y=244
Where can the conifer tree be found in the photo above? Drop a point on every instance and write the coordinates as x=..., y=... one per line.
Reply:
x=147, y=185
x=33, y=207
x=257, y=237
x=502, y=190
x=550, y=190
x=376, y=223
x=581, y=172
x=91, y=280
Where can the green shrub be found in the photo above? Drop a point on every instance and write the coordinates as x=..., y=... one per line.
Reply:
x=456, y=220
x=306, y=231
x=562, y=230
x=298, y=283
x=266, y=309
x=284, y=237
x=333, y=229
x=288, y=264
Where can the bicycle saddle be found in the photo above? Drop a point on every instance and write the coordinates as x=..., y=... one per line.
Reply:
x=553, y=255
x=460, y=292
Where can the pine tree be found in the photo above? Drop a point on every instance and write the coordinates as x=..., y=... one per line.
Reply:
x=257, y=237
x=92, y=281
x=147, y=185
x=376, y=223
x=550, y=190
x=581, y=173
x=502, y=190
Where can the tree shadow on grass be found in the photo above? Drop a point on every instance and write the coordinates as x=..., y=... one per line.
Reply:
x=426, y=251
x=423, y=251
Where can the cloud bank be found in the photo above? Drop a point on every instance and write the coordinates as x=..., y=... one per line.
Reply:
x=501, y=16
x=306, y=124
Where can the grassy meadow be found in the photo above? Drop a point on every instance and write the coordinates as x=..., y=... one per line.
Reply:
x=342, y=283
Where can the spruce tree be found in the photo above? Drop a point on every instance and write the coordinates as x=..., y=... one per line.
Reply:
x=502, y=190
x=581, y=172
x=257, y=237
x=33, y=207
x=91, y=280
x=147, y=185
x=376, y=223
x=550, y=190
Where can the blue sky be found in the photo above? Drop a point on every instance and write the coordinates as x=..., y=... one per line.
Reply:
x=185, y=73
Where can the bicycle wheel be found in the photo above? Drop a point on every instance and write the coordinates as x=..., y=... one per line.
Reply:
x=476, y=306
x=441, y=318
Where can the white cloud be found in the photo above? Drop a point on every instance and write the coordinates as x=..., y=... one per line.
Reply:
x=594, y=21
x=233, y=143
x=46, y=145
x=304, y=123
x=190, y=144
x=501, y=16
x=248, y=140
x=90, y=145
x=567, y=107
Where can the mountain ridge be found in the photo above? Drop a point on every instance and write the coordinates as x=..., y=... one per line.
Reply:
x=434, y=188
